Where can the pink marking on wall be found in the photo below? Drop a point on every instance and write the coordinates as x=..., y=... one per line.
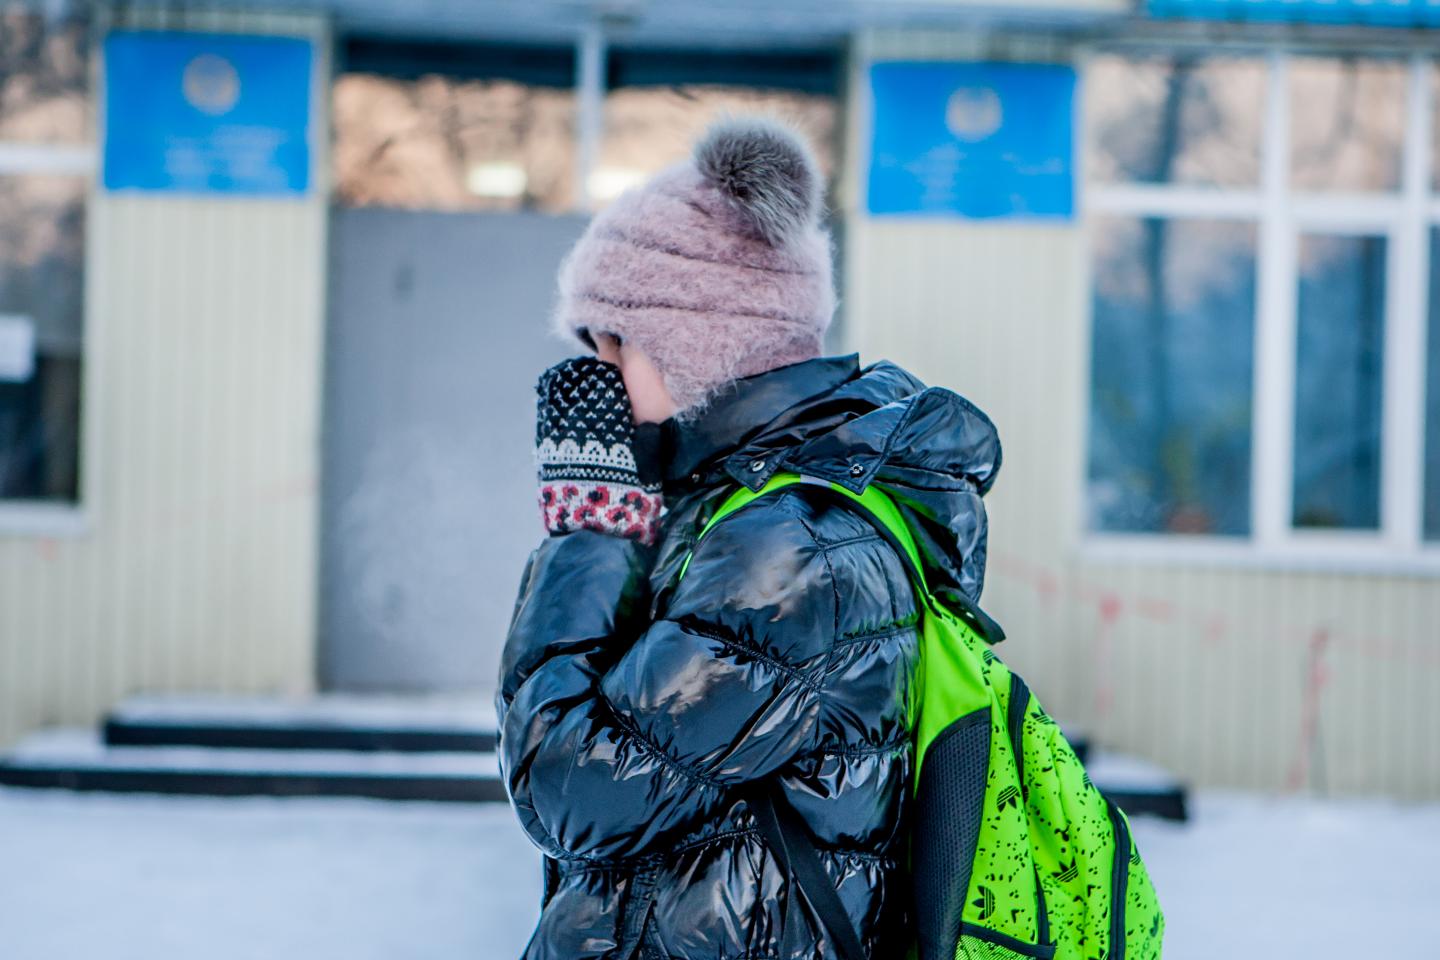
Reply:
x=1111, y=608
x=1317, y=675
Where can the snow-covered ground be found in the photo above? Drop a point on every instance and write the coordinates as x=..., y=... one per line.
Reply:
x=84, y=877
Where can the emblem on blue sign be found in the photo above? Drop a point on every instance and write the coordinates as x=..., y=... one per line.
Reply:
x=972, y=140
x=210, y=84
x=207, y=113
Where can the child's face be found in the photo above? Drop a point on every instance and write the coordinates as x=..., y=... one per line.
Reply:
x=649, y=397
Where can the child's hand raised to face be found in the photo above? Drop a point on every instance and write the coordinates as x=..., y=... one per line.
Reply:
x=586, y=454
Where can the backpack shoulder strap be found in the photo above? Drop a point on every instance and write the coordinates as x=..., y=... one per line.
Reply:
x=876, y=504
x=782, y=827
x=789, y=840
x=880, y=510
x=884, y=515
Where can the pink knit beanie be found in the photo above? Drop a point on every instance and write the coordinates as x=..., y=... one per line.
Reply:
x=717, y=268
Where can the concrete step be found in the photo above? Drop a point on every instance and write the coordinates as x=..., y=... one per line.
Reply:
x=383, y=746
x=1136, y=785
x=81, y=760
x=397, y=724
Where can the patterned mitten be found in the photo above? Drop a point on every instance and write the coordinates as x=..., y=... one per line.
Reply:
x=595, y=472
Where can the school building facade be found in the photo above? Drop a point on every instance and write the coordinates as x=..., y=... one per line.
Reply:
x=273, y=287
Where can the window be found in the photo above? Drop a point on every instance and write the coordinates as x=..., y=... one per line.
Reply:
x=649, y=127
x=1171, y=399
x=495, y=127
x=442, y=143
x=1175, y=121
x=1339, y=367
x=1265, y=306
x=1432, y=396
x=46, y=159
x=1347, y=123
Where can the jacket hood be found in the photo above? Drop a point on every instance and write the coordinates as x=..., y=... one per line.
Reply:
x=828, y=418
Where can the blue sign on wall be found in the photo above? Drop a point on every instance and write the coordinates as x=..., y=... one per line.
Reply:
x=1377, y=13
x=207, y=113
x=972, y=140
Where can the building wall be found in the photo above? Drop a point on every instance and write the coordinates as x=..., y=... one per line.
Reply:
x=1258, y=677
x=194, y=567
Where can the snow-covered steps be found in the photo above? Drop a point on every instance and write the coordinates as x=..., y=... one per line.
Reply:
x=1138, y=786
x=80, y=760
x=384, y=746
x=449, y=724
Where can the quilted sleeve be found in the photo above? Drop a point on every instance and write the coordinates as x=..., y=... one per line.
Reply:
x=617, y=733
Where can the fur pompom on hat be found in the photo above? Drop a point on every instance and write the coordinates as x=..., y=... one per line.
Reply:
x=717, y=268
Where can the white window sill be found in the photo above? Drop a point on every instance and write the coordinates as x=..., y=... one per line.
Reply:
x=32, y=518
x=1341, y=553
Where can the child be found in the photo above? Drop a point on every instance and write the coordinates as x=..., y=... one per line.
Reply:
x=639, y=711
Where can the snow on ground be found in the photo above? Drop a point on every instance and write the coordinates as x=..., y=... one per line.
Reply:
x=1287, y=877
x=122, y=877
x=85, y=749
x=126, y=877
x=471, y=711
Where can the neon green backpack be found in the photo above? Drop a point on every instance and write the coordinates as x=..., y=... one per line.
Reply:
x=1014, y=853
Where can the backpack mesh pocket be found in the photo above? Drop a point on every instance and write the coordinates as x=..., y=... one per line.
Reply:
x=978, y=943
x=978, y=948
x=947, y=818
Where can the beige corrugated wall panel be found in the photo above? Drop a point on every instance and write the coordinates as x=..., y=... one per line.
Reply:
x=1220, y=674
x=202, y=385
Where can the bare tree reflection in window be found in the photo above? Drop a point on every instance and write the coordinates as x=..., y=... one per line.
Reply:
x=41, y=270
x=1161, y=447
x=1347, y=123
x=1432, y=397
x=1185, y=120
x=1339, y=376
x=44, y=80
x=443, y=144
x=45, y=103
x=649, y=127
x=1174, y=460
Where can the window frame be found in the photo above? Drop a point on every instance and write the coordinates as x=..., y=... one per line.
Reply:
x=1281, y=216
x=24, y=517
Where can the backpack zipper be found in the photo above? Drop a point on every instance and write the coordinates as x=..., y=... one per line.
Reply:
x=1015, y=709
x=1015, y=715
x=1120, y=881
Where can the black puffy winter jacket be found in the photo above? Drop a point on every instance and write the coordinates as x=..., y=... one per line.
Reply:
x=634, y=712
